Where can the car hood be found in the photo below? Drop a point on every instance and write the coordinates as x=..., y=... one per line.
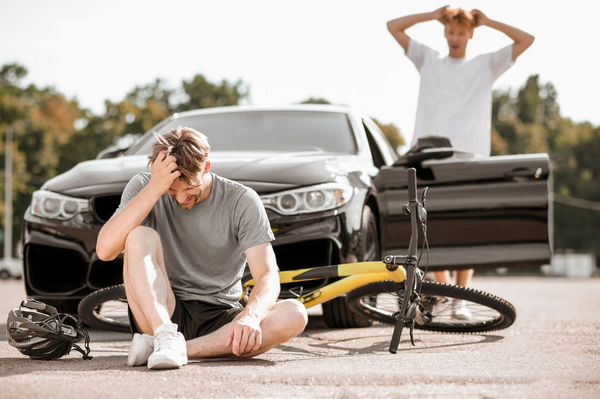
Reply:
x=263, y=171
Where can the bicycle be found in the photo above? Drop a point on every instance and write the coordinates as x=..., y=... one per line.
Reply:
x=392, y=291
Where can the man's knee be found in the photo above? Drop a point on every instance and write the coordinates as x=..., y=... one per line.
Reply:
x=141, y=236
x=296, y=315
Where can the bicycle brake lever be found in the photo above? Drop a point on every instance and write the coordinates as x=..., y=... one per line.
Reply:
x=412, y=329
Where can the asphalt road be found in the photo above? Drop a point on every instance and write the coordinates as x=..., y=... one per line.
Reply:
x=552, y=351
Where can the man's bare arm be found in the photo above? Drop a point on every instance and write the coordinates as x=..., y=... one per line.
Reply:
x=246, y=334
x=398, y=26
x=112, y=236
x=522, y=40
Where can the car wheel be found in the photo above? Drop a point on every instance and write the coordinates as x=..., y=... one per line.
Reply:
x=336, y=312
x=4, y=274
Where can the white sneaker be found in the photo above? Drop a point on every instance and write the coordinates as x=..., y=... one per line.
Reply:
x=460, y=311
x=142, y=346
x=169, y=348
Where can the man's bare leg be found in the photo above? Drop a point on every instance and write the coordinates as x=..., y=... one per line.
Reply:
x=463, y=277
x=285, y=320
x=442, y=276
x=149, y=293
x=152, y=301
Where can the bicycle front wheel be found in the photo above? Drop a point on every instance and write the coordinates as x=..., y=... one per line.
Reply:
x=106, y=309
x=486, y=312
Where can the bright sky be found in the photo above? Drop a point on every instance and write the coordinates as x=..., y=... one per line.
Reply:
x=288, y=51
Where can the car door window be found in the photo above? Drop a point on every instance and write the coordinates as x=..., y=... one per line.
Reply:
x=379, y=159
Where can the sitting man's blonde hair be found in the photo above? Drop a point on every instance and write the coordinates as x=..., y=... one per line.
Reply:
x=189, y=147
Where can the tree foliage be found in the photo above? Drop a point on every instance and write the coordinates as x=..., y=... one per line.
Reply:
x=200, y=93
x=392, y=133
x=41, y=121
x=315, y=100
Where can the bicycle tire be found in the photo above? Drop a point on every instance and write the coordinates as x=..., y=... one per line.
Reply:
x=106, y=309
x=489, y=312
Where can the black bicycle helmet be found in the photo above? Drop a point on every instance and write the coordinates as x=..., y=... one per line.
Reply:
x=40, y=332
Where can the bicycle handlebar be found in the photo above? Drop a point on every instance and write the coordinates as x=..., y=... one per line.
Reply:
x=412, y=184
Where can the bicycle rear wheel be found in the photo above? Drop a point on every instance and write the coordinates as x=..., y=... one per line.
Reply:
x=488, y=312
x=106, y=309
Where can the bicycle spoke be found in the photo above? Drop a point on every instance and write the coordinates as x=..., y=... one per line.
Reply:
x=475, y=311
x=113, y=311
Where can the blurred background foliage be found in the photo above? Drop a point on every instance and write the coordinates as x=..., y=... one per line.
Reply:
x=53, y=133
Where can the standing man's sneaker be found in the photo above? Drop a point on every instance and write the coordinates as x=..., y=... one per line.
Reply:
x=460, y=310
x=142, y=346
x=169, y=348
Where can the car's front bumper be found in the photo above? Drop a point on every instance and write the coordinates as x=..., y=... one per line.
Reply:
x=60, y=263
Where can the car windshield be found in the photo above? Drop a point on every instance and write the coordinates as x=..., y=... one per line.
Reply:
x=280, y=131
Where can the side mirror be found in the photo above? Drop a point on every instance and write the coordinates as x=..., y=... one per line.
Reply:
x=111, y=152
x=432, y=147
x=415, y=158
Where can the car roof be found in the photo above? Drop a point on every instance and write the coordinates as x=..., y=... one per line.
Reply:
x=253, y=108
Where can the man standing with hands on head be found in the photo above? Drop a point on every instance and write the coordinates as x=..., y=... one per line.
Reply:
x=455, y=94
x=187, y=235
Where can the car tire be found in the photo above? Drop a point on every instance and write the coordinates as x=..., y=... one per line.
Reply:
x=4, y=274
x=336, y=312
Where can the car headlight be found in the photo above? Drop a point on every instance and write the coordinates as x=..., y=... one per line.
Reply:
x=49, y=205
x=308, y=199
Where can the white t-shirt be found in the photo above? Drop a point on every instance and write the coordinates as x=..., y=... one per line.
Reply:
x=455, y=96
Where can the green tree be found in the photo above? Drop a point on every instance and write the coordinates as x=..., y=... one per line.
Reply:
x=42, y=121
x=200, y=93
x=315, y=100
x=392, y=133
x=154, y=93
x=529, y=101
x=11, y=74
x=524, y=124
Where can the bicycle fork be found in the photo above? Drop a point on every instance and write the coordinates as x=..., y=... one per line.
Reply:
x=408, y=308
x=410, y=299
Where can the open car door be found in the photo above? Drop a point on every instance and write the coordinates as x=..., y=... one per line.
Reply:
x=482, y=212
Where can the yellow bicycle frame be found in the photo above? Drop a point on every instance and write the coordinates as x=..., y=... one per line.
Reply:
x=353, y=275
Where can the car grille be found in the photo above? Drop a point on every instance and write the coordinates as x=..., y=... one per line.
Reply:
x=104, y=207
x=104, y=274
x=302, y=255
x=55, y=270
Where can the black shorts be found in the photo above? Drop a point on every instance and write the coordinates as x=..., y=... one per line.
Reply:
x=196, y=318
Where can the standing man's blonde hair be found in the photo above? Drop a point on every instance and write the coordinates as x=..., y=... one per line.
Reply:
x=460, y=17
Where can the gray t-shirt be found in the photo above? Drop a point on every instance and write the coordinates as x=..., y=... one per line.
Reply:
x=204, y=246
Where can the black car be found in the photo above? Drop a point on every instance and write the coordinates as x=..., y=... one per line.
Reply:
x=333, y=189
